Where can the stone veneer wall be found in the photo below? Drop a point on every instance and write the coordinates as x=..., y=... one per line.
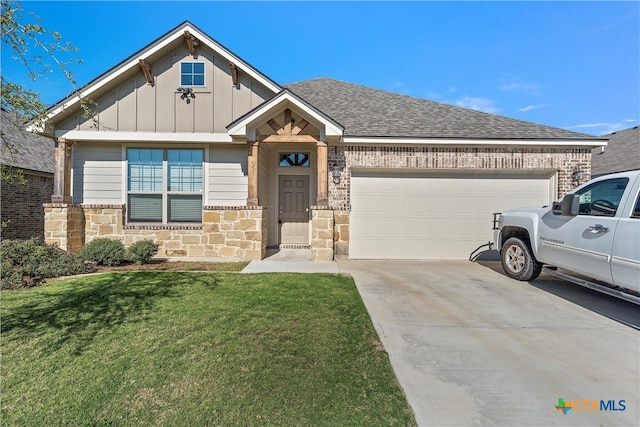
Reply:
x=64, y=225
x=563, y=160
x=238, y=232
x=322, y=229
x=341, y=232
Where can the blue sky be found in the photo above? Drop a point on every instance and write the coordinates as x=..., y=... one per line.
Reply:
x=573, y=65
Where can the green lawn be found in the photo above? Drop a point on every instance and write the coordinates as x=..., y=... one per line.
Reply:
x=195, y=349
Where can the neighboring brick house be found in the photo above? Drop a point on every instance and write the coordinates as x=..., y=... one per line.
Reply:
x=621, y=154
x=21, y=205
x=194, y=148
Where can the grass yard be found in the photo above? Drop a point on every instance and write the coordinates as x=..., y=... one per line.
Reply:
x=195, y=349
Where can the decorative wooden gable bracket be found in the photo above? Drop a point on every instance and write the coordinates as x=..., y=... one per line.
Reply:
x=234, y=75
x=146, y=69
x=192, y=43
x=290, y=132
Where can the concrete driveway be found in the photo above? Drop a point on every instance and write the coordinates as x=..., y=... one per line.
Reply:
x=472, y=347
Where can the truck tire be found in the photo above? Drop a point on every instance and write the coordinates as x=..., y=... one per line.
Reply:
x=517, y=260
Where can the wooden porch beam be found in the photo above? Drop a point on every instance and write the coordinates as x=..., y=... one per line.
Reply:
x=299, y=127
x=275, y=126
x=287, y=122
x=290, y=138
x=146, y=69
x=322, y=148
x=252, y=173
x=62, y=172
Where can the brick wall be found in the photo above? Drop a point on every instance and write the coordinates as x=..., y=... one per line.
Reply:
x=562, y=160
x=21, y=206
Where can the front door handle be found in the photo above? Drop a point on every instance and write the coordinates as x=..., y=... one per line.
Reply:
x=598, y=228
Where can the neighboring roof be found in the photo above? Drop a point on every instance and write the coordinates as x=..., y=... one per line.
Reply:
x=368, y=112
x=327, y=124
x=23, y=149
x=157, y=46
x=621, y=154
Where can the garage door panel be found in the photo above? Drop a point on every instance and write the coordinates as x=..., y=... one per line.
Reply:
x=398, y=216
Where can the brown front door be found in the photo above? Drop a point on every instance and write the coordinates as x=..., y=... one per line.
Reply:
x=294, y=209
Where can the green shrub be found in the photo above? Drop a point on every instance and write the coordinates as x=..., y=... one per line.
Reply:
x=142, y=251
x=103, y=251
x=26, y=263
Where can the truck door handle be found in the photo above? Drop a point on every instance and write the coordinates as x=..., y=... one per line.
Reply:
x=598, y=228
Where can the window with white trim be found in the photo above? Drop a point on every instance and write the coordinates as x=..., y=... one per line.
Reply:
x=192, y=74
x=164, y=185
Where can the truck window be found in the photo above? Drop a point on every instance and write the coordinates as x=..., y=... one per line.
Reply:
x=636, y=210
x=602, y=198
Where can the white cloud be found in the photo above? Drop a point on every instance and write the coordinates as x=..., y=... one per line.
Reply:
x=589, y=125
x=433, y=95
x=532, y=107
x=437, y=95
x=605, y=128
x=529, y=88
x=399, y=87
x=479, y=104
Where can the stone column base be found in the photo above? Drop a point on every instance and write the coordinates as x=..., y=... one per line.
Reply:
x=321, y=233
x=64, y=226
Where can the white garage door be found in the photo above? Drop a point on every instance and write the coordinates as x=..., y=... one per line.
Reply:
x=435, y=216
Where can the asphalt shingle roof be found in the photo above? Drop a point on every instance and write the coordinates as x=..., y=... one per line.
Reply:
x=622, y=153
x=25, y=150
x=369, y=112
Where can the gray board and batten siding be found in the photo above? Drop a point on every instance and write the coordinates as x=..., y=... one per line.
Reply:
x=136, y=106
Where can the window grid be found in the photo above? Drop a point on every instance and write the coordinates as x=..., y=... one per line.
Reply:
x=192, y=74
x=165, y=185
x=294, y=159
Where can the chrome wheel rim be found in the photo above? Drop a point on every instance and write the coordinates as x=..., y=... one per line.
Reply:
x=514, y=258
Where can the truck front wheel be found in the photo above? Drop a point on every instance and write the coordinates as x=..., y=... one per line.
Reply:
x=518, y=261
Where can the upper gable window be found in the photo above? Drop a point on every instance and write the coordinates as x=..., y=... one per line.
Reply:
x=192, y=73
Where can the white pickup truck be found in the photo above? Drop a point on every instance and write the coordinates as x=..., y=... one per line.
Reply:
x=591, y=237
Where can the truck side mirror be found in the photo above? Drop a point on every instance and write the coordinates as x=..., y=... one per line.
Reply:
x=570, y=205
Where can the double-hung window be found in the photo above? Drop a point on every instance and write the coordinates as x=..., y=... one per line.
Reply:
x=164, y=185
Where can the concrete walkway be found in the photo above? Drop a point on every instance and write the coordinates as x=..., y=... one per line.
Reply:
x=290, y=261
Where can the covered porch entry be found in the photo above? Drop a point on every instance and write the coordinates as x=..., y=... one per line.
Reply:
x=288, y=170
